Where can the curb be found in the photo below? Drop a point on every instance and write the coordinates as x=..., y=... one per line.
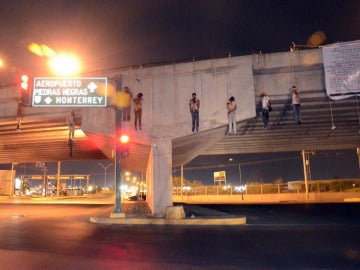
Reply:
x=352, y=200
x=224, y=221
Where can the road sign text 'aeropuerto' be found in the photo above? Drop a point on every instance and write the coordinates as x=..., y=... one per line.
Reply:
x=69, y=92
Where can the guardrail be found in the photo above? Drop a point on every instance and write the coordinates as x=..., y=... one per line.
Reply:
x=270, y=188
x=329, y=191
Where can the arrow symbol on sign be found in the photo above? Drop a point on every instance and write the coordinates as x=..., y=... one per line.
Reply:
x=92, y=86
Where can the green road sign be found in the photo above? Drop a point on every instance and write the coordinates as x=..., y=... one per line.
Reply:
x=69, y=92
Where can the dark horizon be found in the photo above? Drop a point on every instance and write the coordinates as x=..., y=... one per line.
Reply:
x=266, y=168
x=111, y=34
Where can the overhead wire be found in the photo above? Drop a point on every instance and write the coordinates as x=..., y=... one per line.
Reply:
x=247, y=163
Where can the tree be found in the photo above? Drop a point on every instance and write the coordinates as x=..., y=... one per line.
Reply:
x=176, y=182
x=196, y=183
x=279, y=181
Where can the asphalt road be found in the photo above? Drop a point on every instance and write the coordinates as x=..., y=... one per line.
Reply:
x=291, y=214
x=60, y=236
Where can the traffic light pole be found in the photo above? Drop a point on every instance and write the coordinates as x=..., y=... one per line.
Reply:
x=117, y=211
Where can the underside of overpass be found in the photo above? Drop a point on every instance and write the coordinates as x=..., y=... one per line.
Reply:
x=325, y=125
x=45, y=138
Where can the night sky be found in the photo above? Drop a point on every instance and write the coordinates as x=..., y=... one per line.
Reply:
x=109, y=34
x=114, y=33
x=267, y=168
x=255, y=168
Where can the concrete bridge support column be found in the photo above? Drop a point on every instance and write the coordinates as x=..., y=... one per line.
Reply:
x=159, y=177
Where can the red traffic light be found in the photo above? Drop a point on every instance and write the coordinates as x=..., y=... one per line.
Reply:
x=124, y=139
x=124, y=145
x=24, y=82
x=25, y=86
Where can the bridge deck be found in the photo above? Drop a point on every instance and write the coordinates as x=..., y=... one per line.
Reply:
x=41, y=137
x=319, y=114
x=45, y=138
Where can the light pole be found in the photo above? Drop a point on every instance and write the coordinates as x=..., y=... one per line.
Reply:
x=105, y=168
x=231, y=159
x=240, y=176
x=240, y=173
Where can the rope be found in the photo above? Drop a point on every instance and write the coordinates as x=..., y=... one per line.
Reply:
x=332, y=117
x=358, y=110
x=194, y=73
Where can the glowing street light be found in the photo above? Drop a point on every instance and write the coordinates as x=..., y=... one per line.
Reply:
x=61, y=64
x=64, y=65
x=41, y=50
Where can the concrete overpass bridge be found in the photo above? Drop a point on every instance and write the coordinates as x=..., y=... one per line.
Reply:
x=166, y=139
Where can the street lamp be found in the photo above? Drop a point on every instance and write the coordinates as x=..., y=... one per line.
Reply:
x=231, y=159
x=65, y=65
x=240, y=173
x=241, y=188
x=62, y=64
x=105, y=168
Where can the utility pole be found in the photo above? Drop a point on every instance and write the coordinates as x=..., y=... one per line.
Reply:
x=58, y=180
x=45, y=180
x=12, y=185
x=306, y=167
x=182, y=182
x=240, y=174
x=241, y=186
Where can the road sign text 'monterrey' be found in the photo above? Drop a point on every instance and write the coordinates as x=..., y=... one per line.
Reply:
x=62, y=92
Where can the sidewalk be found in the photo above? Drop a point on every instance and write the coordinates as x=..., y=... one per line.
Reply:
x=219, y=221
x=137, y=214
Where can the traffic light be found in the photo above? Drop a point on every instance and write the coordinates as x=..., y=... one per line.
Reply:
x=124, y=145
x=25, y=86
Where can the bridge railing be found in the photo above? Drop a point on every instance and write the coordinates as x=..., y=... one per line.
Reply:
x=320, y=186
